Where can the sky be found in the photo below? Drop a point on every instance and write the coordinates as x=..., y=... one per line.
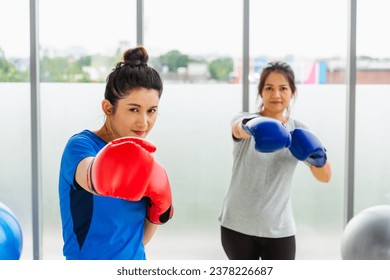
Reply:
x=201, y=27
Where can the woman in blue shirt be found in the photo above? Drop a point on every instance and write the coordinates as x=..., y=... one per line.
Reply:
x=96, y=225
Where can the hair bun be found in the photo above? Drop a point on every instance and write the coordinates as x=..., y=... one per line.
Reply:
x=136, y=56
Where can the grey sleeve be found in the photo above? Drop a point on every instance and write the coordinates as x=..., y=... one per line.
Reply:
x=298, y=124
x=238, y=116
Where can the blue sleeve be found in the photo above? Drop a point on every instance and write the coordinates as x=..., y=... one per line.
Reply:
x=77, y=148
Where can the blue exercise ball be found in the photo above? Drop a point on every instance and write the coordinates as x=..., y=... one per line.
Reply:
x=11, y=238
x=367, y=235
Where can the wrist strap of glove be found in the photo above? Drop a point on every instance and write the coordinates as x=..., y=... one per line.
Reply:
x=249, y=117
x=89, y=178
x=246, y=119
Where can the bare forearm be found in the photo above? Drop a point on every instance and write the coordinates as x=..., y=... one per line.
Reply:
x=322, y=174
x=149, y=231
x=237, y=130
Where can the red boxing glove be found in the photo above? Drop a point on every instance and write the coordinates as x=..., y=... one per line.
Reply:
x=122, y=168
x=160, y=208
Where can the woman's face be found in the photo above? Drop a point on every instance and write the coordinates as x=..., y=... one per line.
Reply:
x=276, y=93
x=135, y=115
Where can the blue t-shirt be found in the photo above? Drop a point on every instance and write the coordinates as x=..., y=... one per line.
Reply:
x=96, y=227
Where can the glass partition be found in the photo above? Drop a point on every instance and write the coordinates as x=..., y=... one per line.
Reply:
x=312, y=38
x=372, y=93
x=372, y=48
x=15, y=144
x=81, y=41
x=195, y=41
x=198, y=46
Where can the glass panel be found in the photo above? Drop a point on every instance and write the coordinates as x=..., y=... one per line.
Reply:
x=194, y=41
x=372, y=47
x=81, y=41
x=192, y=133
x=312, y=38
x=15, y=154
x=373, y=75
x=15, y=144
x=15, y=41
x=61, y=118
x=193, y=126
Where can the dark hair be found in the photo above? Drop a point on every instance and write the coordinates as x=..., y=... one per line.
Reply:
x=279, y=67
x=132, y=73
x=282, y=68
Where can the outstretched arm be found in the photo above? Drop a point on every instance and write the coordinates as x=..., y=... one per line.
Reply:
x=322, y=174
x=149, y=231
x=306, y=146
x=237, y=130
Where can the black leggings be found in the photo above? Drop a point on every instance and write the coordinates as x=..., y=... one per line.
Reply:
x=239, y=246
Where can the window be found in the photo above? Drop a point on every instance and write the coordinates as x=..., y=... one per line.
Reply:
x=192, y=133
x=372, y=96
x=81, y=41
x=15, y=148
x=312, y=38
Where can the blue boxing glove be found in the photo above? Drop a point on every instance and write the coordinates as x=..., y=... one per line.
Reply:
x=305, y=146
x=269, y=134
